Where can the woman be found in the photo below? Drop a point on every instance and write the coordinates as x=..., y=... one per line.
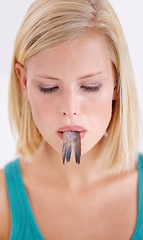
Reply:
x=71, y=74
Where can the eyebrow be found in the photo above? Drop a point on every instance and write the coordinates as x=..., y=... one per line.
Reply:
x=80, y=78
x=90, y=75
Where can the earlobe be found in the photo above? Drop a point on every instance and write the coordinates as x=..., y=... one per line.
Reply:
x=21, y=74
x=115, y=94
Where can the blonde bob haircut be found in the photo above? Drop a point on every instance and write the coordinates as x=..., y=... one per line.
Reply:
x=50, y=22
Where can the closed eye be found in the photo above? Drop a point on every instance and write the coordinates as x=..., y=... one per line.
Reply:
x=48, y=90
x=91, y=88
x=85, y=88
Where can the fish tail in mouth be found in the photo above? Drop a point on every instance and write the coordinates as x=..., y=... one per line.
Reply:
x=67, y=148
x=77, y=148
x=71, y=138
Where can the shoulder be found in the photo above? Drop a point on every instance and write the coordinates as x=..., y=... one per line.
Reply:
x=5, y=224
x=140, y=159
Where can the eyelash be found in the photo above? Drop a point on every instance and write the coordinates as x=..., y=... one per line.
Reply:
x=91, y=89
x=48, y=90
x=87, y=89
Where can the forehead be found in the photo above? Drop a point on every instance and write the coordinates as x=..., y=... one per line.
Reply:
x=89, y=51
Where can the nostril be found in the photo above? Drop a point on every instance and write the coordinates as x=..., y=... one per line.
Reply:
x=69, y=114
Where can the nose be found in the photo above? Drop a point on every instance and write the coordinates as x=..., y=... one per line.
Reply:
x=69, y=103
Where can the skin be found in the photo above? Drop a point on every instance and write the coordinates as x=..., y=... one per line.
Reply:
x=83, y=196
x=71, y=73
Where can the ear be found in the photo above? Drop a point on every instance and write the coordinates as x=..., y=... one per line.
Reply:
x=114, y=94
x=21, y=74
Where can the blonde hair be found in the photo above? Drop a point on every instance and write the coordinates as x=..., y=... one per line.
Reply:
x=50, y=22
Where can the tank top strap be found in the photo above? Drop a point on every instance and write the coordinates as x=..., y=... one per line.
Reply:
x=23, y=224
x=138, y=233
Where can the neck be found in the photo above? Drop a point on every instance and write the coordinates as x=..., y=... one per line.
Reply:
x=48, y=163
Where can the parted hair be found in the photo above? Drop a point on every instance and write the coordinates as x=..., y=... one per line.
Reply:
x=48, y=23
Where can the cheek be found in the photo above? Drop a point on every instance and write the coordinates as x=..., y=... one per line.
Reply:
x=41, y=108
x=100, y=109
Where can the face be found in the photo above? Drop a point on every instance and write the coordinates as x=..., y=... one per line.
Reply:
x=71, y=87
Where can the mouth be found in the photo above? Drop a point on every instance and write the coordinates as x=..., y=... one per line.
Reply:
x=79, y=129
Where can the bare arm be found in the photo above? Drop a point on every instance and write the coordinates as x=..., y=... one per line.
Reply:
x=5, y=222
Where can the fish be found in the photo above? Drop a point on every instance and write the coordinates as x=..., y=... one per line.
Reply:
x=71, y=139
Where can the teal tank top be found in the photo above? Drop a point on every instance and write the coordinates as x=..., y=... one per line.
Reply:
x=23, y=223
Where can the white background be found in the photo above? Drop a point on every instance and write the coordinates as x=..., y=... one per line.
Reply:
x=12, y=12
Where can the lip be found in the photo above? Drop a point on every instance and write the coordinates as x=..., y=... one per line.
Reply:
x=75, y=128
